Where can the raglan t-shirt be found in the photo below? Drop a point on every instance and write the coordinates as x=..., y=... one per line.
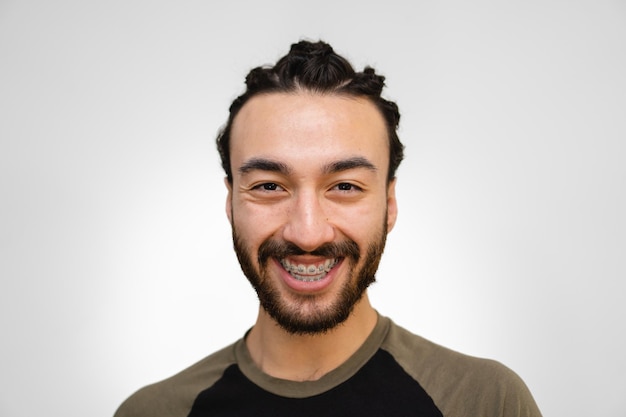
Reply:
x=394, y=373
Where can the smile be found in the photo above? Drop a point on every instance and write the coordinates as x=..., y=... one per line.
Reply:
x=309, y=272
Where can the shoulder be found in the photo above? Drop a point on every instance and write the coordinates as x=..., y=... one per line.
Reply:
x=460, y=384
x=174, y=396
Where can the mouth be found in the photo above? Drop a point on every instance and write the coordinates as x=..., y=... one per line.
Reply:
x=309, y=272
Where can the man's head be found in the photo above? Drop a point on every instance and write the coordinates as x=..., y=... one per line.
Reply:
x=315, y=67
x=310, y=166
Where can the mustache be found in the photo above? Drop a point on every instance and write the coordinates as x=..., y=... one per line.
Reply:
x=272, y=248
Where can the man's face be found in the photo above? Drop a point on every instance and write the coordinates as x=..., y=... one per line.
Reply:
x=310, y=205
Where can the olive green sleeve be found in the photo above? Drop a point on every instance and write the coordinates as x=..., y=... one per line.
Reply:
x=461, y=385
x=175, y=396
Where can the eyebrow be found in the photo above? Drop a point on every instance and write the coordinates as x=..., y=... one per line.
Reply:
x=347, y=164
x=264, y=164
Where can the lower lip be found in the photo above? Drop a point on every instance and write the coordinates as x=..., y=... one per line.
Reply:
x=308, y=286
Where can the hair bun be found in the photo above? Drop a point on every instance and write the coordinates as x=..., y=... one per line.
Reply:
x=310, y=49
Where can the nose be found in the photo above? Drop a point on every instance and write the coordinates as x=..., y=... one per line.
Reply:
x=308, y=224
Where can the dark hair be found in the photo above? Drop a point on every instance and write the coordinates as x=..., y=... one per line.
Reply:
x=315, y=67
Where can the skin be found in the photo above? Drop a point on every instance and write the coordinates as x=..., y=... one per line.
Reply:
x=305, y=197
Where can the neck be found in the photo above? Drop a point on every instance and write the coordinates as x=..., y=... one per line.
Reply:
x=308, y=357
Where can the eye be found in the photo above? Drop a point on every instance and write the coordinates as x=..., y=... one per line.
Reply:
x=346, y=186
x=268, y=186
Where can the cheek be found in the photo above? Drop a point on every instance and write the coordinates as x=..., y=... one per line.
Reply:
x=256, y=222
x=361, y=223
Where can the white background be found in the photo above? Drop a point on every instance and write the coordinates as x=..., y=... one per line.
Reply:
x=116, y=263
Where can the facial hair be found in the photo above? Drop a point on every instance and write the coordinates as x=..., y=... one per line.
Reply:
x=292, y=316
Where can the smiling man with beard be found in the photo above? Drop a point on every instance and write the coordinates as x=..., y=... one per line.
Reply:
x=310, y=152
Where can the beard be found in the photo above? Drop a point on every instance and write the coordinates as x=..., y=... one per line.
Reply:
x=303, y=314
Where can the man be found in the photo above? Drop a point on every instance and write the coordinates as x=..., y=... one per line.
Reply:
x=310, y=152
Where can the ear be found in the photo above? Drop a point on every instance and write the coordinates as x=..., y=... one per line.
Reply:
x=229, y=200
x=392, y=205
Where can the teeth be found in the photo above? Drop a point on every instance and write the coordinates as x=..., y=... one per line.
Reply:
x=311, y=272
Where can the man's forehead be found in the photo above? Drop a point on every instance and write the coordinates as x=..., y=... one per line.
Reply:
x=309, y=133
x=303, y=118
x=305, y=105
